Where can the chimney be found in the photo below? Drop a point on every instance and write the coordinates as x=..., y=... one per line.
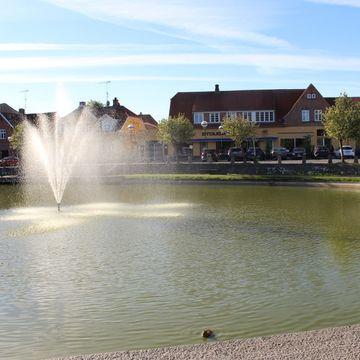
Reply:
x=82, y=103
x=116, y=102
x=22, y=111
x=217, y=88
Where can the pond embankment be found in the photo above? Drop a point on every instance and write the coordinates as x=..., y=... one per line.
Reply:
x=333, y=343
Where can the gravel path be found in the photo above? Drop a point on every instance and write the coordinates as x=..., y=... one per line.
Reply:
x=332, y=343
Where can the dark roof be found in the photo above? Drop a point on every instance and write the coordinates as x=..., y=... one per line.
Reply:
x=239, y=100
x=147, y=118
x=118, y=112
x=6, y=109
x=331, y=100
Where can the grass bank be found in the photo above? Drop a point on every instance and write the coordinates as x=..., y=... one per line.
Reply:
x=240, y=177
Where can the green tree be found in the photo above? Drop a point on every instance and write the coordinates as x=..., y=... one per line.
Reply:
x=17, y=137
x=176, y=131
x=95, y=105
x=239, y=130
x=341, y=121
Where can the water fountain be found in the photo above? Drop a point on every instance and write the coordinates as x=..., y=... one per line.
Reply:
x=55, y=146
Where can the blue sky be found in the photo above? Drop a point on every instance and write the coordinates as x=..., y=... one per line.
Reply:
x=150, y=50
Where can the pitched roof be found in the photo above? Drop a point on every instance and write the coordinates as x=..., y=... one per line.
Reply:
x=118, y=112
x=6, y=109
x=147, y=118
x=331, y=100
x=3, y=117
x=240, y=100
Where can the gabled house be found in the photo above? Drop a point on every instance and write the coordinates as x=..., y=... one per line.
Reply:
x=9, y=118
x=285, y=117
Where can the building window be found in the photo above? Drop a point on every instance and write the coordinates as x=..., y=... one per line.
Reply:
x=317, y=115
x=2, y=134
x=305, y=115
x=198, y=118
x=264, y=116
x=214, y=117
x=231, y=114
x=313, y=96
x=246, y=115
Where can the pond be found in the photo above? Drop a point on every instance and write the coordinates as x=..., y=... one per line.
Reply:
x=138, y=266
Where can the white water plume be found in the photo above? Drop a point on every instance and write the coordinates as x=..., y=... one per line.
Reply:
x=55, y=145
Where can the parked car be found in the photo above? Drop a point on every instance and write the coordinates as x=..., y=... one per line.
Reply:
x=347, y=151
x=297, y=153
x=9, y=161
x=223, y=156
x=321, y=152
x=212, y=152
x=283, y=152
x=260, y=155
x=236, y=152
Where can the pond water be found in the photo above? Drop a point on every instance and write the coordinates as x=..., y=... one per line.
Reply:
x=138, y=266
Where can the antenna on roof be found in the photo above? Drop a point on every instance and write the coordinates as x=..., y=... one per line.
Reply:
x=25, y=97
x=107, y=91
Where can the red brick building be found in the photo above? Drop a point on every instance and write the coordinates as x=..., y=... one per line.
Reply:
x=285, y=117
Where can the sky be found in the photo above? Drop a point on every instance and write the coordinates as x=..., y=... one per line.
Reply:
x=150, y=50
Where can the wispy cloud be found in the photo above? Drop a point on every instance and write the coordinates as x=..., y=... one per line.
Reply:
x=134, y=47
x=257, y=60
x=353, y=3
x=184, y=18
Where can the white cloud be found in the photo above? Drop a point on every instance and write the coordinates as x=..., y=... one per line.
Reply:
x=353, y=3
x=196, y=19
x=261, y=61
x=23, y=47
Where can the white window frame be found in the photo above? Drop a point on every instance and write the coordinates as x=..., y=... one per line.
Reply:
x=214, y=118
x=309, y=96
x=264, y=116
x=2, y=134
x=198, y=117
x=318, y=114
x=313, y=96
x=231, y=114
x=305, y=115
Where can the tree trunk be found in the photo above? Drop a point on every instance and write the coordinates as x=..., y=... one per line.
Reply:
x=244, y=154
x=341, y=151
x=255, y=158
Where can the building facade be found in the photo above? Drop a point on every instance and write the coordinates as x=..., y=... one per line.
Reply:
x=285, y=117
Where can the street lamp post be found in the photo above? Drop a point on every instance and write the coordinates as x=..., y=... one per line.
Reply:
x=131, y=128
x=204, y=124
x=221, y=128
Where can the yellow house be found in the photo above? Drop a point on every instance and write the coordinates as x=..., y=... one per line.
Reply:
x=140, y=137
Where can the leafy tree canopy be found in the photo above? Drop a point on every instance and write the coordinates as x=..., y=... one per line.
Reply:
x=17, y=137
x=342, y=120
x=176, y=130
x=239, y=129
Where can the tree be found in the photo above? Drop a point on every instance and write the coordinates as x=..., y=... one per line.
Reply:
x=176, y=131
x=95, y=105
x=17, y=137
x=239, y=130
x=341, y=121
